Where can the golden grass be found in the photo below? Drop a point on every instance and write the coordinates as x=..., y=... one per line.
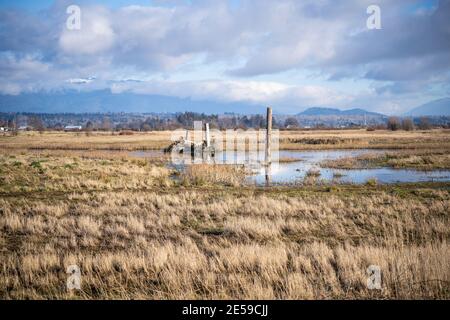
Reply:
x=289, y=140
x=363, y=139
x=206, y=174
x=289, y=160
x=137, y=234
x=156, y=140
x=409, y=159
x=196, y=244
x=49, y=172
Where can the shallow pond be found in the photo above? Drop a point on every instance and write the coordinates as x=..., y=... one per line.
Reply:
x=295, y=172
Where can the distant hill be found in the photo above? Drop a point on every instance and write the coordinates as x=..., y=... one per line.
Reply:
x=102, y=101
x=317, y=111
x=439, y=107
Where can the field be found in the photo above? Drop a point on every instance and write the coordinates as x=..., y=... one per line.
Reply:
x=139, y=230
x=411, y=159
x=289, y=140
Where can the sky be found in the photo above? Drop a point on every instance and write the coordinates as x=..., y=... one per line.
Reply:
x=289, y=54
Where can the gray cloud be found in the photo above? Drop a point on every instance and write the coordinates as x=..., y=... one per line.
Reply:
x=256, y=38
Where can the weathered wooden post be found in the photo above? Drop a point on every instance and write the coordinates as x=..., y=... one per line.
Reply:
x=268, y=147
x=268, y=175
x=269, y=136
x=208, y=138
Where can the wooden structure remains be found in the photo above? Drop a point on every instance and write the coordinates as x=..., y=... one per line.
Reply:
x=185, y=145
x=203, y=148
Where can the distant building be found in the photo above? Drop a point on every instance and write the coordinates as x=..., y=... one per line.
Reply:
x=72, y=128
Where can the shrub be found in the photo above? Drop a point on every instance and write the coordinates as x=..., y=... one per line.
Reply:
x=408, y=124
x=126, y=133
x=393, y=124
x=36, y=165
x=424, y=123
x=209, y=174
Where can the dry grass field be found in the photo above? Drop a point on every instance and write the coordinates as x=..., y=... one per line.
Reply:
x=81, y=141
x=413, y=159
x=139, y=230
x=289, y=140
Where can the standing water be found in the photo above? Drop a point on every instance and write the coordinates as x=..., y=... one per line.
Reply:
x=295, y=171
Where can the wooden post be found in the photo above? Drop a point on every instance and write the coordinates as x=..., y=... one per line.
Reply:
x=208, y=138
x=268, y=171
x=269, y=136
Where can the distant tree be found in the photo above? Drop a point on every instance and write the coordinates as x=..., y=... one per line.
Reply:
x=393, y=124
x=291, y=122
x=106, y=124
x=407, y=124
x=36, y=123
x=275, y=124
x=11, y=124
x=89, y=126
x=135, y=125
x=257, y=121
x=424, y=123
x=58, y=126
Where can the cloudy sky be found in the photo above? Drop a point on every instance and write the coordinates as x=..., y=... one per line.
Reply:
x=290, y=54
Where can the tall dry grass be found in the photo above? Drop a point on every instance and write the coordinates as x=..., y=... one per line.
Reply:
x=289, y=140
x=230, y=245
x=136, y=234
x=206, y=174
x=421, y=159
x=63, y=172
x=363, y=139
x=156, y=140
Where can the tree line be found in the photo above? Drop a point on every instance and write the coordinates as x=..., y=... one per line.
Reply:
x=155, y=122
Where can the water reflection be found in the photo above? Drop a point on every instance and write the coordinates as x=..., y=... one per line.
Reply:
x=309, y=161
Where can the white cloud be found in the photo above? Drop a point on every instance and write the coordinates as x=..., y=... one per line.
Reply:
x=19, y=73
x=285, y=97
x=95, y=36
x=9, y=88
x=80, y=80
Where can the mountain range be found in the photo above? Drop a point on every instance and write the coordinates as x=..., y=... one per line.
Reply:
x=318, y=111
x=439, y=107
x=103, y=101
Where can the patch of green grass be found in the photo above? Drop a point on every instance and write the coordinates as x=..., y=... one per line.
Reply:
x=211, y=231
x=36, y=164
x=17, y=164
x=70, y=166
